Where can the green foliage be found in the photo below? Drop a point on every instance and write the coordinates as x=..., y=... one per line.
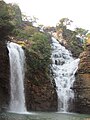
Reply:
x=5, y=25
x=81, y=31
x=15, y=13
x=24, y=32
x=41, y=45
x=20, y=34
x=36, y=43
x=38, y=56
x=4, y=15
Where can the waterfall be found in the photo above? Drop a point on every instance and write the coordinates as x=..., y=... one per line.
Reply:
x=64, y=67
x=17, y=60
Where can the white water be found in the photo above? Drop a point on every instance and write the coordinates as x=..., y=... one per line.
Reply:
x=17, y=60
x=64, y=67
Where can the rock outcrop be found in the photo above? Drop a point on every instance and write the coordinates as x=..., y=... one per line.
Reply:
x=4, y=76
x=39, y=90
x=82, y=83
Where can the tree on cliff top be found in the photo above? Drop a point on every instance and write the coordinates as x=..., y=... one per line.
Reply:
x=63, y=23
x=5, y=25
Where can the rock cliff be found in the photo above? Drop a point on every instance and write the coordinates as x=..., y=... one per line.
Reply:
x=39, y=90
x=82, y=83
x=4, y=76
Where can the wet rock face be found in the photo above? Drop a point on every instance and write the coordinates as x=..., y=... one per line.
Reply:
x=4, y=76
x=40, y=92
x=82, y=83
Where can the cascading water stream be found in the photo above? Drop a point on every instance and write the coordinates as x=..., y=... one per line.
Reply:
x=17, y=61
x=64, y=67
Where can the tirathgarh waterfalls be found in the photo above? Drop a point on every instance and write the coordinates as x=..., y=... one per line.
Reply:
x=64, y=67
x=17, y=61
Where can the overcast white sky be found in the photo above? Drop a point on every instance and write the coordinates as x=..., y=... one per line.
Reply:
x=49, y=12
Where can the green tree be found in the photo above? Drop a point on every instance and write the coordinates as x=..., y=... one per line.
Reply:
x=61, y=27
x=63, y=23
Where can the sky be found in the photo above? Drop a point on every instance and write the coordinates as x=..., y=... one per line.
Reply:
x=49, y=12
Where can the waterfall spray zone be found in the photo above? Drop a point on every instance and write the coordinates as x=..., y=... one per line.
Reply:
x=17, y=61
x=64, y=67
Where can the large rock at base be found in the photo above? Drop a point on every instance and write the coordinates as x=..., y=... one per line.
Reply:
x=82, y=83
x=39, y=90
x=4, y=76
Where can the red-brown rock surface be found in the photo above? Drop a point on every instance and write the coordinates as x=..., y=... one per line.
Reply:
x=39, y=90
x=82, y=83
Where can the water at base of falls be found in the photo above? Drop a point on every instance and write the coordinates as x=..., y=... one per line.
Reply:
x=64, y=67
x=17, y=61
